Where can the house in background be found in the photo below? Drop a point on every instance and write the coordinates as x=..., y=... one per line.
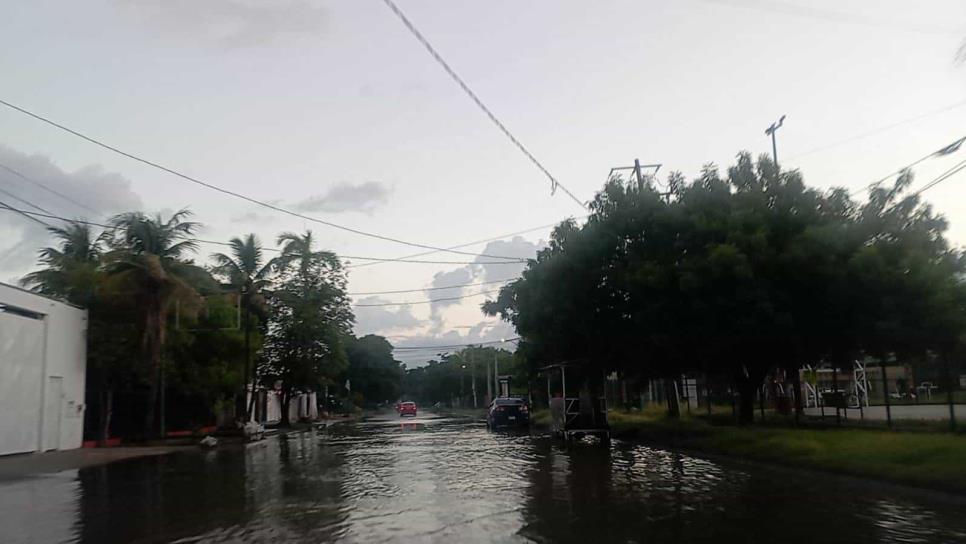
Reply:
x=43, y=358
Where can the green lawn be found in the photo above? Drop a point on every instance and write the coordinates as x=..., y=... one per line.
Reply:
x=927, y=459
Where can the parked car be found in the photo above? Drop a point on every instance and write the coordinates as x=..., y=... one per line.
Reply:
x=407, y=409
x=508, y=412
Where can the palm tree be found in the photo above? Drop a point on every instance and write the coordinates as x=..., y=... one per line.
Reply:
x=315, y=270
x=311, y=317
x=71, y=270
x=246, y=270
x=298, y=249
x=148, y=257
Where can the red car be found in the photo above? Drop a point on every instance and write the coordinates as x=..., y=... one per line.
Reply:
x=407, y=409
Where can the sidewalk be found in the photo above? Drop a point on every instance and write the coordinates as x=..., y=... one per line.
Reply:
x=924, y=412
x=13, y=467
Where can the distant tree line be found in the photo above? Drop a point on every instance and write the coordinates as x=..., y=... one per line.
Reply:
x=449, y=378
x=736, y=275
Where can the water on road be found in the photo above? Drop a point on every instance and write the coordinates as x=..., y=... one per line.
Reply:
x=450, y=480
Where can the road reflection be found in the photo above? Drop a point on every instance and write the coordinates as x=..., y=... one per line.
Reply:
x=451, y=480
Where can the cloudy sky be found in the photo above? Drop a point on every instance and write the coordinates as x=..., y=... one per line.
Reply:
x=332, y=109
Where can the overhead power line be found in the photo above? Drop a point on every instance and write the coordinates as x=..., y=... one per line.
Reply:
x=475, y=242
x=554, y=184
x=22, y=201
x=941, y=178
x=425, y=301
x=234, y=193
x=25, y=214
x=916, y=162
x=276, y=250
x=457, y=286
x=48, y=189
x=875, y=131
x=453, y=346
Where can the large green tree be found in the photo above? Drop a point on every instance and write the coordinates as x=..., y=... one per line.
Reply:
x=374, y=374
x=311, y=320
x=736, y=275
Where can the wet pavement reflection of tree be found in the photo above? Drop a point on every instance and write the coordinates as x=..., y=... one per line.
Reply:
x=446, y=480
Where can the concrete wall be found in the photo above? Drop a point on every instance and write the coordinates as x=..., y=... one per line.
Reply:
x=43, y=357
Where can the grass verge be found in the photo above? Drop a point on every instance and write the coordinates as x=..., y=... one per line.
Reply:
x=923, y=459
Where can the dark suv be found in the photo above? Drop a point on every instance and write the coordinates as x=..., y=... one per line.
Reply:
x=508, y=412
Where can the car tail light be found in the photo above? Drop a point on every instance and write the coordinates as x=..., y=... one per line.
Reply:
x=524, y=408
x=498, y=409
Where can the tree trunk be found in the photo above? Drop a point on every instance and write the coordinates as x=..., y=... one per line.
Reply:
x=670, y=390
x=797, y=385
x=748, y=385
x=251, y=401
x=746, y=402
x=245, y=407
x=286, y=401
x=153, y=343
x=106, y=411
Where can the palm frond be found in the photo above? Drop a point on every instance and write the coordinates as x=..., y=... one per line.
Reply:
x=178, y=249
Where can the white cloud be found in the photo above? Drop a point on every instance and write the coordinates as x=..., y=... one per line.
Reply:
x=446, y=279
x=382, y=319
x=252, y=218
x=516, y=247
x=229, y=23
x=89, y=193
x=482, y=332
x=345, y=197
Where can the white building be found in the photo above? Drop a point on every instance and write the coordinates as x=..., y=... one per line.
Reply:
x=43, y=358
x=268, y=406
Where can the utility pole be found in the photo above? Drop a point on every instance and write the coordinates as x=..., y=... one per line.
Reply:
x=638, y=168
x=496, y=373
x=770, y=131
x=489, y=384
x=473, y=377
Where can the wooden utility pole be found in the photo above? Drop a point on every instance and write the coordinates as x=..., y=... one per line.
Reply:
x=770, y=131
x=473, y=377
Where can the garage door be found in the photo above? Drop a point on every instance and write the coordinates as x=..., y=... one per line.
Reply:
x=21, y=369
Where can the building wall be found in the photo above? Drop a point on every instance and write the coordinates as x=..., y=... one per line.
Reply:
x=43, y=357
x=302, y=405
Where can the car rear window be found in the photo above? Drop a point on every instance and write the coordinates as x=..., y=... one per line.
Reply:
x=509, y=402
x=408, y=404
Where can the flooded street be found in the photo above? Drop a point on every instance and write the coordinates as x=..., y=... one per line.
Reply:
x=450, y=480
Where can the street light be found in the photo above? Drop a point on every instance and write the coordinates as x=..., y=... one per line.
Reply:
x=770, y=131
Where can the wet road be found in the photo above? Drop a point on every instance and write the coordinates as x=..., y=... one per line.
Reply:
x=450, y=480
